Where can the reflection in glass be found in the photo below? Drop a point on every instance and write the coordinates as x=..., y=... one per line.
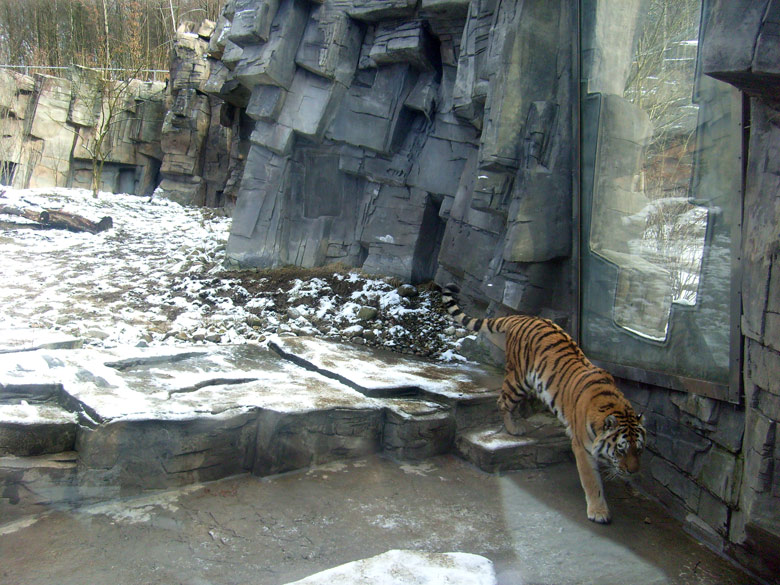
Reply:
x=659, y=185
x=648, y=228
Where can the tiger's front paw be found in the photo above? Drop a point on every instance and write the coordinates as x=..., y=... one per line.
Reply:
x=516, y=426
x=599, y=514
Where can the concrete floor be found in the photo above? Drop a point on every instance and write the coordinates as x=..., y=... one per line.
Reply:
x=275, y=530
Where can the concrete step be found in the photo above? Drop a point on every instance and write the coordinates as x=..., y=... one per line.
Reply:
x=33, y=420
x=493, y=449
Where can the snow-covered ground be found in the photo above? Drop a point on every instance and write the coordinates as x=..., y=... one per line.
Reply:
x=157, y=278
x=402, y=567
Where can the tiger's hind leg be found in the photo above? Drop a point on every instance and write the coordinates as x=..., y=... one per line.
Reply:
x=513, y=403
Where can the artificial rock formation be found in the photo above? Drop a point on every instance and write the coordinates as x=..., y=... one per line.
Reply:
x=202, y=158
x=747, y=57
x=170, y=135
x=421, y=139
x=51, y=125
x=173, y=417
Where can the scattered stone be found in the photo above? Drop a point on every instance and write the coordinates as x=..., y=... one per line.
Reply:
x=254, y=321
x=96, y=334
x=353, y=331
x=367, y=313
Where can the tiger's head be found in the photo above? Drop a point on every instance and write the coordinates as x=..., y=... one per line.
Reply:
x=620, y=442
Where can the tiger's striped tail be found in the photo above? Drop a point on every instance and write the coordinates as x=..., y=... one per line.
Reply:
x=449, y=297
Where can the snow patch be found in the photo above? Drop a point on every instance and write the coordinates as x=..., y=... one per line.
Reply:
x=403, y=567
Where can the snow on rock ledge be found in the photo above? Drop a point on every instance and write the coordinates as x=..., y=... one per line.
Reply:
x=147, y=418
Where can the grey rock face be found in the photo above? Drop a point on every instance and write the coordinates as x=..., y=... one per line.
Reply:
x=273, y=62
x=331, y=43
x=202, y=157
x=174, y=135
x=417, y=139
x=375, y=10
x=50, y=127
x=252, y=21
x=747, y=55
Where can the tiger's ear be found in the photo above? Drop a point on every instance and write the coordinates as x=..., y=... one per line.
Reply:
x=609, y=423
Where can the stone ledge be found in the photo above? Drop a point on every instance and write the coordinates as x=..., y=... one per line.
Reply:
x=36, y=429
x=159, y=417
x=494, y=451
x=383, y=373
x=14, y=340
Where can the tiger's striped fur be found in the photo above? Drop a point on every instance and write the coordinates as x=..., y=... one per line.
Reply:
x=541, y=358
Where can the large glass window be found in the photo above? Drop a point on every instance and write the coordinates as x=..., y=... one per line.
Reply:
x=660, y=194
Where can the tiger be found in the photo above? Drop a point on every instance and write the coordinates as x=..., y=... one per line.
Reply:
x=543, y=360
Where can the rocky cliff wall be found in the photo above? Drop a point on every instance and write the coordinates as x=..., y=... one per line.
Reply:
x=748, y=57
x=169, y=134
x=201, y=135
x=50, y=126
x=421, y=139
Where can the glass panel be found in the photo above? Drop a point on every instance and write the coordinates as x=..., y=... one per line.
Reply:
x=660, y=188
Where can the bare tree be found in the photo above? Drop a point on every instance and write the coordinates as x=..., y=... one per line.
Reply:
x=107, y=106
x=106, y=35
x=91, y=33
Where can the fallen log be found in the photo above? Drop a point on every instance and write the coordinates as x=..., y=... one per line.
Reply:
x=54, y=219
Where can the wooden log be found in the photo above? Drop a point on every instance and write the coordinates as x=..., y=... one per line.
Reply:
x=54, y=219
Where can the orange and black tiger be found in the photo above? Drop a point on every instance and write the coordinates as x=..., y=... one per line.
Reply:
x=542, y=359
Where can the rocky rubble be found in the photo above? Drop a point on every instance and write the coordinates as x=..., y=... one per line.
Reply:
x=158, y=278
x=330, y=303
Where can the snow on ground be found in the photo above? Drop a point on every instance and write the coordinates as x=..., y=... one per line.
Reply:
x=157, y=278
x=404, y=567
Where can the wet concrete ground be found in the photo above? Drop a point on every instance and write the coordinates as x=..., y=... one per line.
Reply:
x=271, y=531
